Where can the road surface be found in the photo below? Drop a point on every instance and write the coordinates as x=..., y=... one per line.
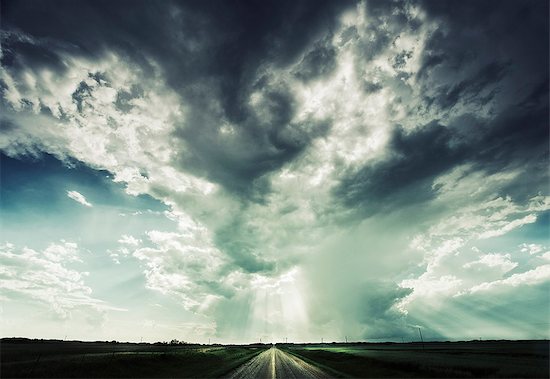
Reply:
x=274, y=363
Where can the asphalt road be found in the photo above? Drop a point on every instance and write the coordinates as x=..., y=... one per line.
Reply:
x=275, y=363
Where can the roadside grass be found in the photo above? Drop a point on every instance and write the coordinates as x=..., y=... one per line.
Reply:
x=452, y=360
x=327, y=369
x=172, y=363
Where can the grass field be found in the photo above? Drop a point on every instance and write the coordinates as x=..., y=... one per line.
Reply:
x=73, y=359
x=474, y=359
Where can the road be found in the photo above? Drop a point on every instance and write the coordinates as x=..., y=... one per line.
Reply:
x=274, y=363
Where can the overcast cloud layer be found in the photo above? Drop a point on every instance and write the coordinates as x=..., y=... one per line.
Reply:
x=300, y=169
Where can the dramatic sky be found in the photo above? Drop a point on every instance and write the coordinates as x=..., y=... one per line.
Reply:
x=236, y=170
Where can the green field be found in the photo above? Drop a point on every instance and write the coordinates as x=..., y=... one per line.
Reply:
x=474, y=359
x=74, y=359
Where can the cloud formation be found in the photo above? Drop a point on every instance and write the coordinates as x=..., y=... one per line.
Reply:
x=394, y=141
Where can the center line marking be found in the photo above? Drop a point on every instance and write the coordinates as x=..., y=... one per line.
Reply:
x=273, y=376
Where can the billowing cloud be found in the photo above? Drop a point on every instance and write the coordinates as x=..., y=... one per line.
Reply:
x=336, y=165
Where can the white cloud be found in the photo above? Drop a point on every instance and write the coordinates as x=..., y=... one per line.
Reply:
x=78, y=197
x=500, y=261
x=538, y=275
x=185, y=264
x=45, y=277
x=469, y=211
x=426, y=286
x=129, y=240
x=474, y=210
x=509, y=226
x=531, y=248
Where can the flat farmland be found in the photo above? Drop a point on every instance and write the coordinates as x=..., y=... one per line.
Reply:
x=473, y=359
x=75, y=359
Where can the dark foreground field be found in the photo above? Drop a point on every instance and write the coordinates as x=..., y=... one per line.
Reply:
x=74, y=359
x=477, y=359
x=473, y=359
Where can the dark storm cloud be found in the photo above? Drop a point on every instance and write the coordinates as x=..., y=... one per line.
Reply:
x=258, y=145
x=79, y=96
x=252, y=148
x=214, y=54
x=484, y=55
x=483, y=43
x=317, y=63
x=405, y=176
x=470, y=90
x=519, y=141
x=372, y=87
x=515, y=139
x=30, y=54
x=261, y=142
x=210, y=52
x=123, y=98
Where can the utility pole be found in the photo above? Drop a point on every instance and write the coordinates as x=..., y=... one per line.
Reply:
x=421, y=339
x=346, y=339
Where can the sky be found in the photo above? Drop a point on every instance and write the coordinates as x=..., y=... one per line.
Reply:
x=231, y=171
